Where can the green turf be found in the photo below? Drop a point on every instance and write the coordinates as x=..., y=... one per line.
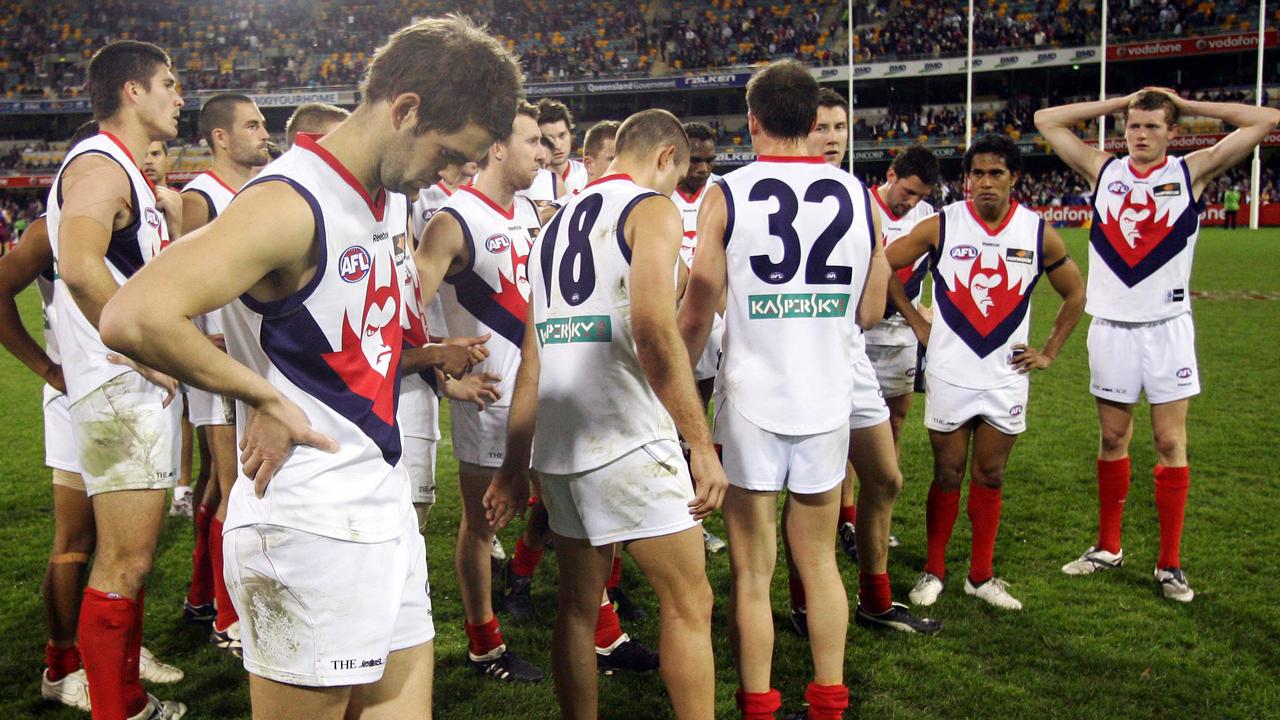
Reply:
x=1097, y=647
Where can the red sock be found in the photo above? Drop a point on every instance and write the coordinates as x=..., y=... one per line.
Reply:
x=939, y=520
x=222, y=598
x=61, y=661
x=873, y=593
x=759, y=706
x=798, y=599
x=201, y=590
x=615, y=573
x=984, y=514
x=484, y=637
x=849, y=514
x=106, y=621
x=1113, y=488
x=608, y=628
x=1171, y=505
x=133, y=651
x=525, y=560
x=826, y=702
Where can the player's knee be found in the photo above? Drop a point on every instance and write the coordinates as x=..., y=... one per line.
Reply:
x=989, y=476
x=1170, y=445
x=691, y=606
x=1114, y=440
x=76, y=540
x=948, y=476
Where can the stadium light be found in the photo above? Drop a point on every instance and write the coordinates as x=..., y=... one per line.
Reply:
x=848, y=56
x=1255, y=176
x=968, y=86
x=1102, y=79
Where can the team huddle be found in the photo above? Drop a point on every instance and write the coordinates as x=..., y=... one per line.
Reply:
x=441, y=240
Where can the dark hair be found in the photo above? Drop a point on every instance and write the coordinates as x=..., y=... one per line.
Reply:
x=86, y=130
x=597, y=134
x=219, y=112
x=120, y=62
x=919, y=161
x=649, y=130
x=784, y=98
x=460, y=73
x=995, y=144
x=311, y=117
x=829, y=98
x=546, y=143
x=699, y=131
x=551, y=110
x=1155, y=100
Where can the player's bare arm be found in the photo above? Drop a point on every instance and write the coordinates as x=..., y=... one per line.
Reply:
x=1065, y=277
x=874, y=292
x=1253, y=123
x=1057, y=125
x=263, y=245
x=916, y=320
x=480, y=389
x=923, y=238
x=96, y=193
x=453, y=359
x=653, y=230
x=169, y=201
x=508, y=493
x=18, y=269
x=707, y=279
x=441, y=251
x=195, y=211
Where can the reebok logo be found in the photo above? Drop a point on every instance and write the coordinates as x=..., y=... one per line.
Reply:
x=577, y=329
x=797, y=305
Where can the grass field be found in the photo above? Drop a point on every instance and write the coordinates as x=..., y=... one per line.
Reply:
x=1096, y=647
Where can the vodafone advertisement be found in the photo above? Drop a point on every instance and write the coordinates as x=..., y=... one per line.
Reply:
x=1200, y=45
x=1214, y=215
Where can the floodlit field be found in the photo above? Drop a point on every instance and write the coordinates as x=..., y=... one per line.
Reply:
x=1104, y=646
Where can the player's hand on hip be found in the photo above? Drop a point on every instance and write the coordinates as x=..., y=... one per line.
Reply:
x=474, y=345
x=922, y=330
x=1026, y=358
x=53, y=376
x=507, y=496
x=478, y=388
x=709, y=483
x=270, y=434
x=155, y=377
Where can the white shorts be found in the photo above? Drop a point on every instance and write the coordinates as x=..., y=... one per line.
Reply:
x=205, y=408
x=756, y=459
x=642, y=494
x=1159, y=357
x=479, y=437
x=895, y=368
x=948, y=407
x=127, y=439
x=320, y=612
x=419, y=459
x=709, y=364
x=869, y=409
x=59, y=439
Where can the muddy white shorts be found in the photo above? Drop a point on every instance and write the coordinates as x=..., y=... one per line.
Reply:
x=642, y=494
x=59, y=439
x=756, y=459
x=205, y=408
x=869, y=409
x=479, y=436
x=320, y=612
x=948, y=407
x=126, y=438
x=895, y=367
x=1159, y=357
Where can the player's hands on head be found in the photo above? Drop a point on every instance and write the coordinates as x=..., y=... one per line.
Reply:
x=709, y=483
x=1026, y=358
x=478, y=388
x=507, y=497
x=271, y=432
x=155, y=377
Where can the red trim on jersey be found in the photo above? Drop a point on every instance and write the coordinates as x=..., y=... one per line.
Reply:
x=691, y=199
x=129, y=155
x=607, y=178
x=377, y=206
x=509, y=214
x=875, y=193
x=445, y=189
x=814, y=159
x=1013, y=205
x=568, y=165
x=1150, y=170
x=218, y=180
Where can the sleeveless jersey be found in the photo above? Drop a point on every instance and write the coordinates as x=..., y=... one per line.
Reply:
x=491, y=294
x=982, y=285
x=688, y=206
x=217, y=195
x=428, y=203
x=798, y=245
x=1141, y=242
x=594, y=402
x=546, y=188
x=893, y=330
x=333, y=348
x=44, y=284
x=419, y=408
x=573, y=179
x=83, y=354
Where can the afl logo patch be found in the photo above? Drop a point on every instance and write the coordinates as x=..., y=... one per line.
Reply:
x=498, y=243
x=354, y=264
x=964, y=252
x=427, y=214
x=1015, y=411
x=152, y=216
x=1118, y=188
x=1184, y=373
